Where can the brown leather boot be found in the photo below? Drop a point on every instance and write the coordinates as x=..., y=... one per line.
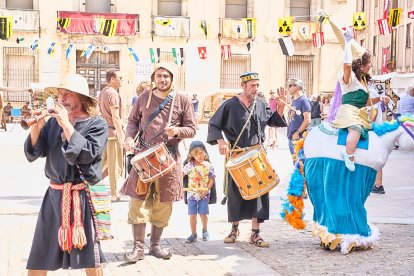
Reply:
x=155, y=248
x=137, y=253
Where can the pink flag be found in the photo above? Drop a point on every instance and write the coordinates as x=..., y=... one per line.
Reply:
x=386, y=8
x=384, y=68
x=384, y=27
x=318, y=40
x=225, y=52
x=411, y=14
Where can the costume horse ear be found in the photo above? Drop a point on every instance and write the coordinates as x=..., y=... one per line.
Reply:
x=357, y=49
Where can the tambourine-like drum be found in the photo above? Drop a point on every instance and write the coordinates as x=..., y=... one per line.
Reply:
x=252, y=173
x=153, y=163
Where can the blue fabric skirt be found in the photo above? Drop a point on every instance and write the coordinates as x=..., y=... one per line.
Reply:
x=338, y=195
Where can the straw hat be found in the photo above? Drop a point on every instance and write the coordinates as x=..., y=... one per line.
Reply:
x=74, y=83
x=357, y=49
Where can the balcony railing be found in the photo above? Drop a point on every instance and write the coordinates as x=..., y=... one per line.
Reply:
x=171, y=26
x=23, y=20
x=118, y=24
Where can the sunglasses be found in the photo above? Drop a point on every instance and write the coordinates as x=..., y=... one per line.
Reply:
x=290, y=85
x=271, y=93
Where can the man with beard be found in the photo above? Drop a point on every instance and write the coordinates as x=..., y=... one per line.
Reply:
x=72, y=141
x=152, y=202
x=230, y=119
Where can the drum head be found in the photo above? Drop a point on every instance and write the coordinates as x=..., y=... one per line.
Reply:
x=242, y=157
x=145, y=153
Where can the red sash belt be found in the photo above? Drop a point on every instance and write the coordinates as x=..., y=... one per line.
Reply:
x=71, y=236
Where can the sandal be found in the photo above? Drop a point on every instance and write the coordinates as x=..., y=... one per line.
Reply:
x=234, y=234
x=257, y=240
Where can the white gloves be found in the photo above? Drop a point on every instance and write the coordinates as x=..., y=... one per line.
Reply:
x=347, y=47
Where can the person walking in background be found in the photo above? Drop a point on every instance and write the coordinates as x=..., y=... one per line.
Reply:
x=72, y=141
x=406, y=103
x=195, y=102
x=230, y=119
x=200, y=180
x=150, y=118
x=271, y=132
x=111, y=109
x=316, y=110
x=142, y=86
x=299, y=118
x=326, y=105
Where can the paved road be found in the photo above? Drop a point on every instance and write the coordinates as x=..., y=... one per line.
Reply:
x=291, y=252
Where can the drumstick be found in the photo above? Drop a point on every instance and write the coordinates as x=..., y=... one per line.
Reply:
x=290, y=106
x=171, y=111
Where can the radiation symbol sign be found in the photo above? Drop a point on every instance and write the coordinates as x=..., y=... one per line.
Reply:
x=285, y=25
x=360, y=20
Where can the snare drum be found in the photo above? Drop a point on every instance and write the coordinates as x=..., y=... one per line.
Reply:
x=252, y=173
x=153, y=163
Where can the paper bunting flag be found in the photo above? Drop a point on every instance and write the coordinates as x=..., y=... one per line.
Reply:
x=155, y=55
x=251, y=27
x=249, y=46
x=63, y=22
x=51, y=49
x=6, y=29
x=395, y=15
x=106, y=49
x=384, y=27
x=202, y=52
x=35, y=45
x=203, y=27
x=88, y=52
x=318, y=40
x=19, y=39
x=133, y=54
x=225, y=52
x=178, y=54
x=360, y=20
x=69, y=50
x=411, y=14
x=285, y=25
x=287, y=46
x=322, y=19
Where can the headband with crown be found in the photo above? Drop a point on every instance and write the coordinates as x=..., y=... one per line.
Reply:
x=249, y=76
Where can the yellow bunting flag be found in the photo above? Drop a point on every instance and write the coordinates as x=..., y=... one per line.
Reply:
x=63, y=22
x=6, y=27
x=285, y=25
x=395, y=15
x=110, y=27
x=360, y=20
x=251, y=27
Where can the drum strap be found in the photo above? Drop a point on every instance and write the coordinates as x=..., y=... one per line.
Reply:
x=245, y=124
x=154, y=114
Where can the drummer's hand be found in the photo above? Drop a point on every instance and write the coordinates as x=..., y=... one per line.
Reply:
x=171, y=131
x=129, y=143
x=223, y=147
x=61, y=114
